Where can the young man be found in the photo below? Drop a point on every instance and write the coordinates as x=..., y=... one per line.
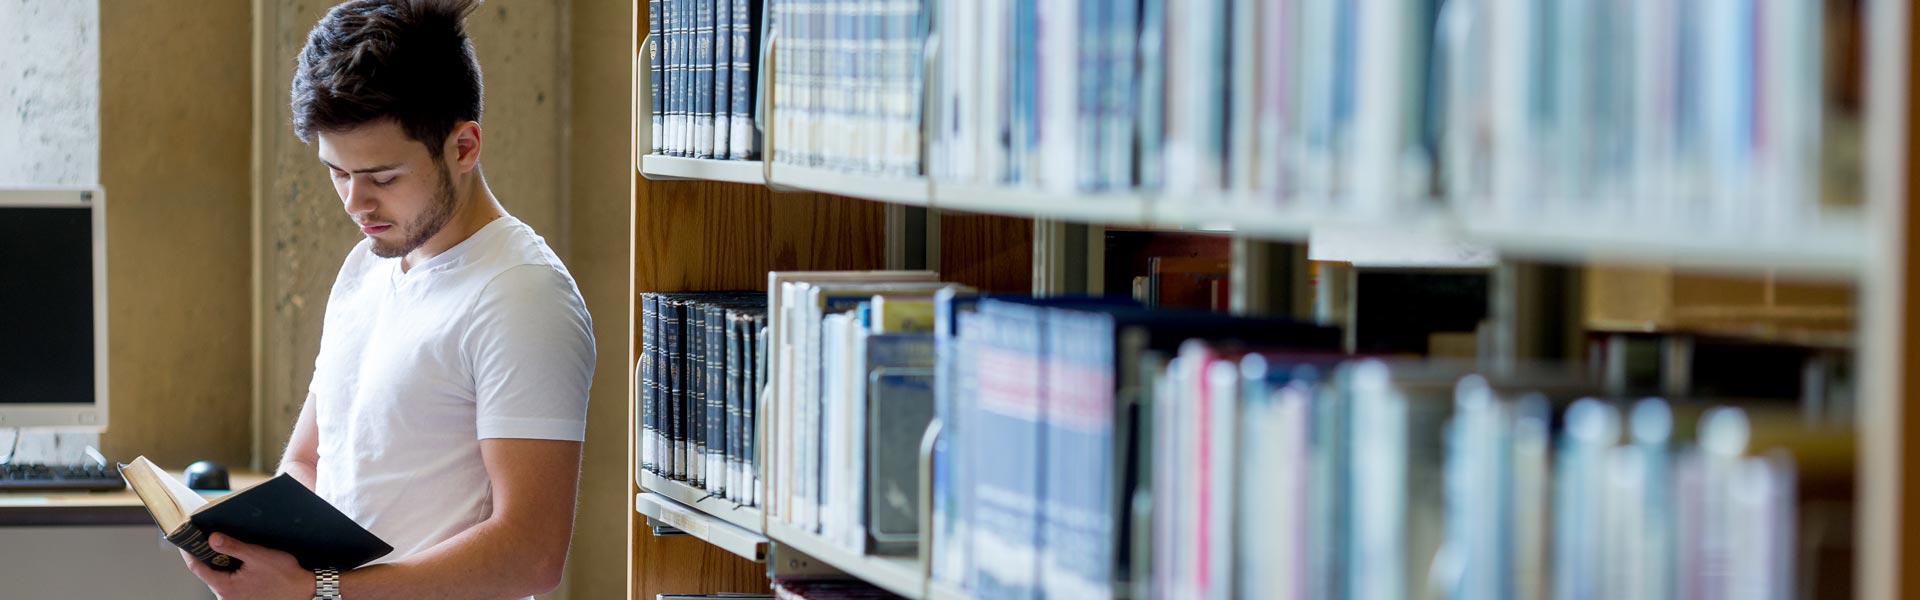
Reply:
x=449, y=399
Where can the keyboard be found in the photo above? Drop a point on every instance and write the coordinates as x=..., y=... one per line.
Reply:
x=60, y=478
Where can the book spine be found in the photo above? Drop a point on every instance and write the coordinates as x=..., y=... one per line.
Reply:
x=657, y=72
x=193, y=540
x=756, y=461
x=696, y=407
x=1007, y=442
x=722, y=89
x=648, y=338
x=1117, y=102
x=712, y=360
x=1077, y=541
x=1149, y=163
x=741, y=130
x=676, y=77
x=730, y=461
x=677, y=390
x=703, y=50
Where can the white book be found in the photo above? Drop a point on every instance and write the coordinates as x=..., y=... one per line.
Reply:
x=996, y=22
x=1059, y=95
x=1377, y=136
x=1244, y=116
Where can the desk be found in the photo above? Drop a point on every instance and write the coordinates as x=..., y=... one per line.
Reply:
x=88, y=545
x=41, y=509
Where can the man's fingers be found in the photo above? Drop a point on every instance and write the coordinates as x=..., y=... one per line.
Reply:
x=225, y=544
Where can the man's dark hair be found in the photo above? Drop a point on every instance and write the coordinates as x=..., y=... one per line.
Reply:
x=372, y=60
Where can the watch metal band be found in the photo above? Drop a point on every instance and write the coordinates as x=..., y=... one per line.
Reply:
x=326, y=584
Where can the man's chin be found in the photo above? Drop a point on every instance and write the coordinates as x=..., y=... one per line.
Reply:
x=385, y=250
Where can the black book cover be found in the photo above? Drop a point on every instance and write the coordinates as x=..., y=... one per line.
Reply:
x=282, y=514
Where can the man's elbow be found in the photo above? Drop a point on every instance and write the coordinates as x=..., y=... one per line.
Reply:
x=545, y=572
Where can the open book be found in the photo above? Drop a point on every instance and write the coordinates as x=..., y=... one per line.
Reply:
x=278, y=513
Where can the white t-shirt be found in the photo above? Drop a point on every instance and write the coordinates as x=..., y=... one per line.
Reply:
x=490, y=339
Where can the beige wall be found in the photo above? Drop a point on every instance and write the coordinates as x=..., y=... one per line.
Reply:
x=600, y=134
x=173, y=159
x=303, y=235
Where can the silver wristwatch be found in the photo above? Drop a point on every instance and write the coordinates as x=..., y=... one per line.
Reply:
x=326, y=584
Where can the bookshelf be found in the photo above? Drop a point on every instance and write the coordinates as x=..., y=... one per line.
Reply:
x=724, y=171
x=895, y=574
x=701, y=523
x=710, y=225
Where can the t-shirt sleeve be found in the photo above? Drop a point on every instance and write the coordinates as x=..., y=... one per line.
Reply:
x=531, y=350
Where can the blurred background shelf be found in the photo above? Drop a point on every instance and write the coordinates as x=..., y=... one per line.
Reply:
x=912, y=191
x=668, y=168
x=1116, y=208
x=726, y=536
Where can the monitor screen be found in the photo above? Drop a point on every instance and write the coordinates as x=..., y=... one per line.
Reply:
x=46, y=305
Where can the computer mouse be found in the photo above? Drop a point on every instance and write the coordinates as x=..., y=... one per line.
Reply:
x=207, y=475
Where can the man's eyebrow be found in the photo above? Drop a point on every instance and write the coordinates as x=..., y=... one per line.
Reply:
x=375, y=169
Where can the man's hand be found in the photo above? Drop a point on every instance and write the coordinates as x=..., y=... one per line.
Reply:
x=266, y=574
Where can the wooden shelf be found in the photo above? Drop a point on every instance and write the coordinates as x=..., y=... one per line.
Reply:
x=898, y=574
x=912, y=191
x=668, y=168
x=741, y=542
x=744, y=517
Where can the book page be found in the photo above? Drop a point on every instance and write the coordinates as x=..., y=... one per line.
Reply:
x=169, y=500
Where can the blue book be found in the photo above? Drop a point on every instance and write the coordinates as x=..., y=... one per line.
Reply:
x=702, y=66
x=1004, y=438
x=745, y=47
x=722, y=90
x=676, y=77
x=949, y=543
x=657, y=70
x=1078, y=511
x=1117, y=101
x=1091, y=47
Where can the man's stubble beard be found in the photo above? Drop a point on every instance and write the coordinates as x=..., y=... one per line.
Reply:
x=425, y=226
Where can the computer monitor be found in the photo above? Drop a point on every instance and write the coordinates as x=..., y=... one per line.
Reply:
x=53, y=308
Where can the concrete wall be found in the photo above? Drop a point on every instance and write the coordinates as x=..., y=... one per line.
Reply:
x=173, y=160
x=601, y=130
x=304, y=233
x=49, y=93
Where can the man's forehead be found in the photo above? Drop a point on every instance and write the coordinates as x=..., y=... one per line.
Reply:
x=377, y=144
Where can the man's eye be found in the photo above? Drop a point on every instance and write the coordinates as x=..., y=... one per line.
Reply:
x=385, y=182
x=337, y=175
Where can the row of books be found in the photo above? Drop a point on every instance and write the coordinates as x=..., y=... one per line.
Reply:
x=1091, y=447
x=848, y=84
x=852, y=353
x=704, y=63
x=700, y=373
x=1367, y=479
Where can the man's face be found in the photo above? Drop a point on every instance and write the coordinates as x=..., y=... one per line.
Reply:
x=392, y=188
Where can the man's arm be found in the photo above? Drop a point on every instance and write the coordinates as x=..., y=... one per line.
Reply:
x=302, y=458
x=519, y=551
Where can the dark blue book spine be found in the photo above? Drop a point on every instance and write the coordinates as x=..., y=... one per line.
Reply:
x=649, y=341
x=1150, y=172
x=1092, y=79
x=671, y=51
x=696, y=392
x=657, y=72
x=716, y=398
x=753, y=406
x=703, y=78
x=722, y=77
x=676, y=390
x=735, y=388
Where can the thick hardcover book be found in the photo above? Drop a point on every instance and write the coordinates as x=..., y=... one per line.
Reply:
x=1004, y=435
x=648, y=431
x=722, y=89
x=657, y=69
x=278, y=513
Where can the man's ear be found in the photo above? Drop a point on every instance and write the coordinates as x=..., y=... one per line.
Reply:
x=463, y=145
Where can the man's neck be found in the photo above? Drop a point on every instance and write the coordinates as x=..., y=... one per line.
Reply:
x=474, y=209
